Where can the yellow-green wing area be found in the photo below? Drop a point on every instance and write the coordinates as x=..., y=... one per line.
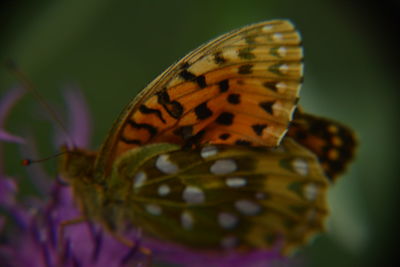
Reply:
x=240, y=88
x=223, y=197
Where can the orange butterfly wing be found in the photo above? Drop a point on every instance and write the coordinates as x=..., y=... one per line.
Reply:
x=240, y=88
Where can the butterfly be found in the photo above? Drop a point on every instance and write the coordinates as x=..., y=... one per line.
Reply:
x=208, y=154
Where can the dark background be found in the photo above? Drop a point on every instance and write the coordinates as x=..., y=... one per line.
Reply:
x=111, y=49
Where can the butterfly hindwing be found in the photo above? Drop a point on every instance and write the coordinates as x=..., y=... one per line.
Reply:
x=332, y=142
x=240, y=88
x=240, y=196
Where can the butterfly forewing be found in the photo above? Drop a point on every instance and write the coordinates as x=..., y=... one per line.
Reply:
x=240, y=88
x=240, y=196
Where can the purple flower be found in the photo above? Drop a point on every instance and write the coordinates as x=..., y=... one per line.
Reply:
x=31, y=231
x=7, y=185
x=6, y=103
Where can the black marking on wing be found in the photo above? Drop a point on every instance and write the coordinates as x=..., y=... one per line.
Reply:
x=267, y=106
x=146, y=110
x=225, y=118
x=151, y=129
x=202, y=111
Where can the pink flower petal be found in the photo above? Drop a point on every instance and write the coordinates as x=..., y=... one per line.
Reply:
x=8, y=189
x=79, y=120
x=10, y=138
x=7, y=102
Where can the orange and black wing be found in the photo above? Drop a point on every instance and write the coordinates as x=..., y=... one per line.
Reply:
x=240, y=88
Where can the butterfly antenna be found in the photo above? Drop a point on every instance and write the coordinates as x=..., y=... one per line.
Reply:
x=27, y=84
x=27, y=162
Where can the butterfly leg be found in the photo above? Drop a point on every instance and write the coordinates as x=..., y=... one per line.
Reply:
x=131, y=244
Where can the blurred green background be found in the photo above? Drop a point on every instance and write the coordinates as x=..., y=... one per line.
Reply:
x=111, y=49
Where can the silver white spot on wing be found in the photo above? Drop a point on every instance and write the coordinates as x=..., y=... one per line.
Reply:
x=281, y=85
x=284, y=68
x=277, y=36
x=193, y=195
x=227, y=220
x=186, y=220
x=282, y=51
x=247, y=207
x=163, y=190
x=153, y=209
x=208, y=151
x=235, y=182
x=223, y=166
x=300, y=166
x=165, y=165
x=139, y=179
x=267, y=28
x=311, y=191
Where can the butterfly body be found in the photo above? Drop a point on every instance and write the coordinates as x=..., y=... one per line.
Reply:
x=201, y=158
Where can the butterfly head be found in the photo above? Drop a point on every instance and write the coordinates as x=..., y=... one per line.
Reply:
x=77, y=168
x=77, y=164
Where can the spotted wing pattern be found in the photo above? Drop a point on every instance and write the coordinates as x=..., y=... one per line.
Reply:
x=242, y=197
x=240, y=88
x=332, y=142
